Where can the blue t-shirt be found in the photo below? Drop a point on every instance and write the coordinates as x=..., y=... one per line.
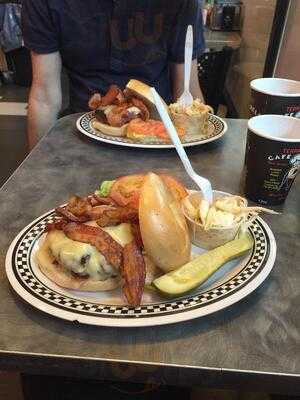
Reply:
x=111, y=41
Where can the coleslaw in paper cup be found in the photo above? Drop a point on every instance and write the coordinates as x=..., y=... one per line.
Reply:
x=214, y=236
x=192, y=119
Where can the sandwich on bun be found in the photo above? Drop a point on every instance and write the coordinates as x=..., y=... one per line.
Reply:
x=127, y=233
x=130, y=112
x=142, y=91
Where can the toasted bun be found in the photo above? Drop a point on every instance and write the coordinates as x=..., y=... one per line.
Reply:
x=142, y=91
x=109, y=130
x=64, y=278
x=163, y=227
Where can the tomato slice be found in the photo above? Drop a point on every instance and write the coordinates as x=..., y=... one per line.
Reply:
x=143, y=129
x=126, y=190
x=177, y=188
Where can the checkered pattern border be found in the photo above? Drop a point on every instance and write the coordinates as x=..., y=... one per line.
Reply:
x=23, y=270
x=216, y=126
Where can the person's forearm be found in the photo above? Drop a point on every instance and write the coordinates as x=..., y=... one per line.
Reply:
x=42, y=114
x=194, y=84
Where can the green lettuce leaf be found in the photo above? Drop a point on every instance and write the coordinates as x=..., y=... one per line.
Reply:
x=104, y=188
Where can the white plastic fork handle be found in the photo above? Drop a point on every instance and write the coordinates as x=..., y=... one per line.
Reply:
x=206, y=188
x=178, y=145
x=172, y=133
x=188, y=54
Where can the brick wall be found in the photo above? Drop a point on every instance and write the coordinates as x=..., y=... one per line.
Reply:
x=248, y=62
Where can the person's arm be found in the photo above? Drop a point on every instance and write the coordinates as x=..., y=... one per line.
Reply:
x=177, y=79
x=45, y=95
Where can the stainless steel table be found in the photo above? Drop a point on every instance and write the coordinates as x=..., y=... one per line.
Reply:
x=254, y=344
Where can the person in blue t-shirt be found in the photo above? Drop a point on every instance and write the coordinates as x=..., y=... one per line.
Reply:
x=101, y=42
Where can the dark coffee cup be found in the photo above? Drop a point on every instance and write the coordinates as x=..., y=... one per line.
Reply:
x=275, y=96
x=272, y=158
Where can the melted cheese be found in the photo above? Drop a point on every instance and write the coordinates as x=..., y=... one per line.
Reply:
x=107, y=109
x=134, y=110
x=81, y=258
x=120, y=233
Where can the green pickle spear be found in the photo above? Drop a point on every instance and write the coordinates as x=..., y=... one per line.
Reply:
x=197, y=271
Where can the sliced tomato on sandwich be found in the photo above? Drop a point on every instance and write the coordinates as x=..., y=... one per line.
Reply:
x=125, y=191
x=144, y=130
x=177, y=189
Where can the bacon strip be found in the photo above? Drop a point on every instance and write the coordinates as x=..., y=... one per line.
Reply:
x=133, y=273
x=111, y=95
x=63, y=212
x=118, y=116
x=79, y=206
x=136, y=232
x=120, y=98
x=97, y=212
x=95, y=101
x=83, y=209
x=108, y=247
x=117, y=215
x=56, y=225
x=96, y=200
x=145, y=114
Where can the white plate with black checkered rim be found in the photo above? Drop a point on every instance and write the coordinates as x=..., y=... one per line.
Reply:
x=216, y=129
x=230, y=286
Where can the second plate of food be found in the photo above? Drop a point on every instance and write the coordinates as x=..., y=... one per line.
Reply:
x=129, y=118
x=217, y=127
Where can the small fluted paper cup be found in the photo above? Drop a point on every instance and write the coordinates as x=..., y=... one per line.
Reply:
x=196, y=125
x=209, y=238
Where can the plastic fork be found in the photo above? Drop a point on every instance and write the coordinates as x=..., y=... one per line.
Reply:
x=186, y=99
x=203, y=183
